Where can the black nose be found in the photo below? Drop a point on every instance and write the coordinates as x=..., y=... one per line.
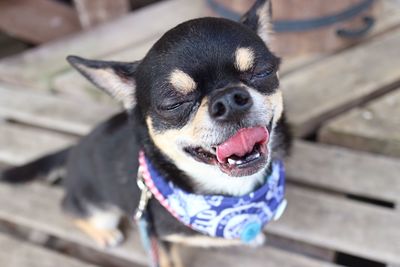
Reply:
x=229, y=104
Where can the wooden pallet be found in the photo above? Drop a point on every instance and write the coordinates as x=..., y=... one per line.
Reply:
x=341, y=201
x=341, y=82
x=374, y=127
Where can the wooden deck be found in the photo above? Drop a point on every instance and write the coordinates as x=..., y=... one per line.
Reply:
x=344, y=172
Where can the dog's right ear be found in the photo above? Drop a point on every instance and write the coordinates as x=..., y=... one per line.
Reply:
x=116, y=78
x=259, y=18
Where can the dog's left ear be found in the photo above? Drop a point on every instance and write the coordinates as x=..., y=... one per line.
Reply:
x=115, y=78
x=259, y=19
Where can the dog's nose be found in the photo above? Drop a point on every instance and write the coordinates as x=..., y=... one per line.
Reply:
x=229, y=104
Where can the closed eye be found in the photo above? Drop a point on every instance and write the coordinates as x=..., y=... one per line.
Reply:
x=172, y=106
x=263, y=74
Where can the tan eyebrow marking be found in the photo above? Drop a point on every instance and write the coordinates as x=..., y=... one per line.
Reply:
x=244, y=58
x=182, y=81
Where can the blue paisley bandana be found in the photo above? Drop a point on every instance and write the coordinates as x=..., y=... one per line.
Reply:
x=240, y=217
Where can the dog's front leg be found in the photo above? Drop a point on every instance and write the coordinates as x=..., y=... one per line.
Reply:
x=169, y=255
x=164, y=255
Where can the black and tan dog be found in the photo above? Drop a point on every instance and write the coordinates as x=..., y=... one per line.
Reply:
x=199, y=85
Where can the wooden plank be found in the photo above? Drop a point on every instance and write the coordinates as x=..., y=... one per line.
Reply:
x=345, y=171
x=38, y=208
x=20, y=144
x=49, y=111
x=92, y=13
x=374, y=127
x=340, y=82
x=340, y=224
x=246, y=256
x=37, y=21
x=14, y=253
x=34, y=67
x=73, y=85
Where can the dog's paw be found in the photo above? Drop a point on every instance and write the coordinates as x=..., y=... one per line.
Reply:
x=110, y=238
x=105, y=238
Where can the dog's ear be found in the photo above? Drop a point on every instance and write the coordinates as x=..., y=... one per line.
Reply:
x=116, y=78
x=259, y=19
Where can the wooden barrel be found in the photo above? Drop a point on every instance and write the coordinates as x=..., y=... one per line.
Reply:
x=310, y=26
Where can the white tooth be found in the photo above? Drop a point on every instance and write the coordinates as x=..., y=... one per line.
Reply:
x=231, y=161
x=251, y=157
x=238, y=162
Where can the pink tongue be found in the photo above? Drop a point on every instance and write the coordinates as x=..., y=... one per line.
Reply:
x=242, y=143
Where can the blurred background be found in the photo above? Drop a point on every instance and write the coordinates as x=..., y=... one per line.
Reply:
x=341, y=80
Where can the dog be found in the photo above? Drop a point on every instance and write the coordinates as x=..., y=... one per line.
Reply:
x=203, y=108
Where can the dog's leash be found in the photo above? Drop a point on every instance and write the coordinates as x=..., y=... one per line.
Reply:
x=144, y=222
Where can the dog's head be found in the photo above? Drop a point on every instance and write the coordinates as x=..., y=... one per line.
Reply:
x=209, y=94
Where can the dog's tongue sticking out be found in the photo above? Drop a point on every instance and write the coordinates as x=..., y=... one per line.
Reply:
x=242, y=143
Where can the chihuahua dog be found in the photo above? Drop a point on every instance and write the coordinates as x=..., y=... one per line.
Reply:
x=205, y=108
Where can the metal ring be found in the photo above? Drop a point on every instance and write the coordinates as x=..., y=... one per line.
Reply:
x=357, y=33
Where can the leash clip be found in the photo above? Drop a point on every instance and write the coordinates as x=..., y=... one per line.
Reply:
x=145, y=196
